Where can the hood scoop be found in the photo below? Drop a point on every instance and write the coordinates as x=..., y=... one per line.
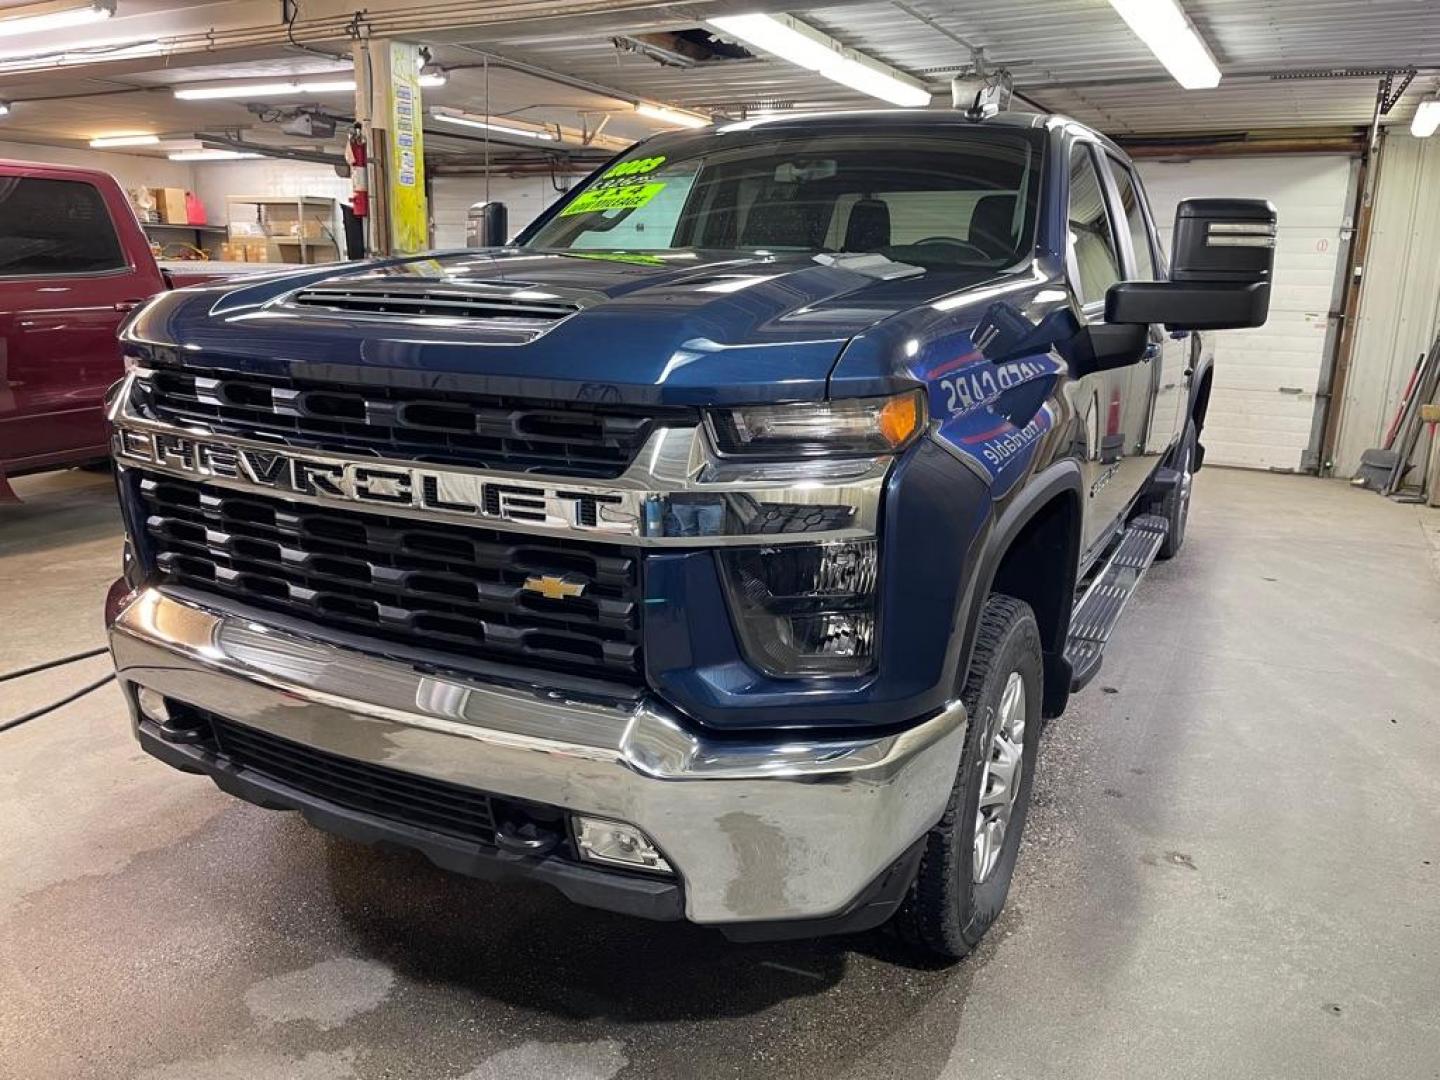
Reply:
x=512, y=305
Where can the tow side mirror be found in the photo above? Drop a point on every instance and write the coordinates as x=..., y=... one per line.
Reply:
x=1220, y=275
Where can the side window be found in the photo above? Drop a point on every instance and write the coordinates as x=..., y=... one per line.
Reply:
x=55, y=228
x=1135, y=221
x=1092, y=238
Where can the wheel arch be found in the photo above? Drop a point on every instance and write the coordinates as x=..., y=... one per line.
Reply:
x=1200, y=397
x=1033, y=554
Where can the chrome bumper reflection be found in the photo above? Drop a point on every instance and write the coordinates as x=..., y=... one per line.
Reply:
x=762, y=830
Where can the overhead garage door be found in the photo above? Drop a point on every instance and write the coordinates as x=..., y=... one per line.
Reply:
x=1262, y=404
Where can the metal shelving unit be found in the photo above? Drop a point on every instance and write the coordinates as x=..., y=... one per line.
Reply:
x=207, y=238
x=284, y=221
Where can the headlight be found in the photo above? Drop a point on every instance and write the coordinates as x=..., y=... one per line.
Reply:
x=878, y=425
x=805, y=609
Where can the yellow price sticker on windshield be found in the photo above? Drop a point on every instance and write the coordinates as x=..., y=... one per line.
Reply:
x=635, y=167
x=628, y=197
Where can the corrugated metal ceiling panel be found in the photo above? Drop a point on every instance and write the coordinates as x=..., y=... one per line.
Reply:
x=1074, y=56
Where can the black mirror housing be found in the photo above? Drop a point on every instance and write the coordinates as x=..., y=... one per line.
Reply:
x=1220, y=274
x=1183, y=306
x=1103, y=347
x=1224, y=240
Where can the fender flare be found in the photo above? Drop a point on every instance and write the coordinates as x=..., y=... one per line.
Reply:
x=1058, y=480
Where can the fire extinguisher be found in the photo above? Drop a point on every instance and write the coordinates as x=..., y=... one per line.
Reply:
x=359, y=177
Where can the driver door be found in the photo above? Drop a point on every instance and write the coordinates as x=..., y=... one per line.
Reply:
x=1112, y=406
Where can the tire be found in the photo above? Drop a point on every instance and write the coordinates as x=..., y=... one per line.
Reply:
x=947, y=911
x=1176, y=505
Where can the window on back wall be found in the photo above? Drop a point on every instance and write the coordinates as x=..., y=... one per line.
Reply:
x=55, y=227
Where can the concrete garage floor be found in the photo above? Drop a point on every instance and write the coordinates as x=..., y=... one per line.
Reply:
x=1232, y=868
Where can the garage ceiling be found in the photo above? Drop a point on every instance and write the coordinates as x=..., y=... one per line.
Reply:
x=1287, y=64
x=1071, y=56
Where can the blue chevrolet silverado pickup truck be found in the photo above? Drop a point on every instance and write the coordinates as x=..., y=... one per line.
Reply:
x=713, y=552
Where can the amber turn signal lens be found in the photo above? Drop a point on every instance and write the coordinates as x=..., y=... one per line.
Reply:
x=899, y=418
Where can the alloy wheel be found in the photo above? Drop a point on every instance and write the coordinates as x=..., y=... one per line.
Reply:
x=1001, y=781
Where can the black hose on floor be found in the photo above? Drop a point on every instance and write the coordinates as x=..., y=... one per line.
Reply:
x=46, y=665
x=35, y=714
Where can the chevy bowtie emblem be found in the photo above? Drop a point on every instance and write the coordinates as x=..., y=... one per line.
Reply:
x=553, y=588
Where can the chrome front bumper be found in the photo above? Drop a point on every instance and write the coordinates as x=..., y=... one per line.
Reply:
x=758, y=831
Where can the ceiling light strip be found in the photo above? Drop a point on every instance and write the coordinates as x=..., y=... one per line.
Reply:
x=286, y=88
x=486, y=123
x=1427, y=118
x=57, y=15
x=124, y=140
x=804, y=46
x=677, y=117
x=1168, y=33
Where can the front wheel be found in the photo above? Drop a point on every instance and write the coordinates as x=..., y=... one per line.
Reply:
x=969, y=856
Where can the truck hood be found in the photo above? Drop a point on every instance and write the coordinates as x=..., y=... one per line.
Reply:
x=684, y=327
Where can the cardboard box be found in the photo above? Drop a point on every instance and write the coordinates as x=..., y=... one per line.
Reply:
x=170, y=204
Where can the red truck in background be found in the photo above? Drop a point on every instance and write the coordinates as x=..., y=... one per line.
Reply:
x=73, y=262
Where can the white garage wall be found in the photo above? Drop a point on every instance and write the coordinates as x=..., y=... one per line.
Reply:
x=451, y=197
x=264, y=176
x=1400, y=298
x=132, y=170
x=1262, y=405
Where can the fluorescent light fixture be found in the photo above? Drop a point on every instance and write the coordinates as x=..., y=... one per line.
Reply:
x=56, y=15
x=4, y=108
x=806, y=47
x=667, y=115
x=486, y=123
x=287, y=88
x=1168, y=33
x=871, y=77
x=124, y=140
x=210, y=155
x=1427, y=118
x=267, y=89
x=124, y=46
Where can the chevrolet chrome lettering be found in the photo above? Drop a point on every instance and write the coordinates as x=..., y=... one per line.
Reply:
x=382, y=485
x=666, y=501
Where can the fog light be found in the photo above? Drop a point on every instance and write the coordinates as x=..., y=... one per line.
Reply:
x=152, y=704
x=617, y=844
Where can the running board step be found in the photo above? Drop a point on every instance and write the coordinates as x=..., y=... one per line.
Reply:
x=1098, y=611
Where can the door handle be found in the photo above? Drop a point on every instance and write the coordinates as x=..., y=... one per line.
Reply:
x=127, y=305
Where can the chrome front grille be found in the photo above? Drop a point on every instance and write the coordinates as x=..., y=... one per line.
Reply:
x=419, y=425
x=451, y=588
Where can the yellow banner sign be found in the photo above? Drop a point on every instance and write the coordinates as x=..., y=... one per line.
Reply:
x=409, y=215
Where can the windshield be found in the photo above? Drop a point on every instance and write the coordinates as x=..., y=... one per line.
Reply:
x=957, y=199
